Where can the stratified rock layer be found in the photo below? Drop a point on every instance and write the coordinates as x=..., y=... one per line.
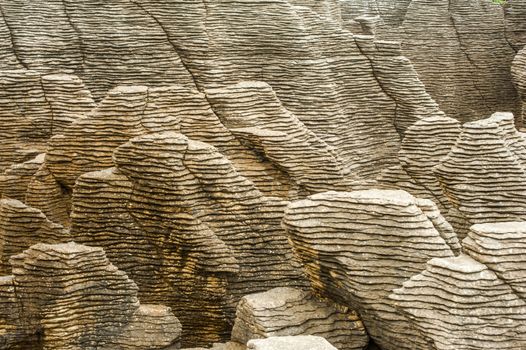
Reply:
x=458, y=303
x=71, y=297
x=289, y=312
x=358, y=246
x=177, y=215
x=306, y=342
x=483, y=174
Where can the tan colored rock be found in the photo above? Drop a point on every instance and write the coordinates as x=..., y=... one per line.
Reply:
x=358, y=246
x=70, y=296
x=292, y=312
x=307, y=342
x=458, y=303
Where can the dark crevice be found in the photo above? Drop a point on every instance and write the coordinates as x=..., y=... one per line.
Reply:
x=468, y=57
x=79, y=36
x=174, y=46
x=49, y=106
x=379, y=82
x=13, y=41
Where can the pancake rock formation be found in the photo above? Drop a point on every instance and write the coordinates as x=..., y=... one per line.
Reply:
x=358, y=246
x=289, y=312
x=69, y=296
x=270, y=172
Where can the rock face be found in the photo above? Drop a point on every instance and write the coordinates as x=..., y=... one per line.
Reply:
x=69, y=296
x=458, y=303
x=297, y=342
x=461, y=49
x=475, y=300
x=357, y=246
x=290, y=312
x=483, y=174
x=214, y=151
x=177, y=215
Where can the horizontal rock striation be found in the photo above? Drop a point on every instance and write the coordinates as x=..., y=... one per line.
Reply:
x=459, y=303
x=483, y=174
x=307, y=342
x=358, y=246
x=21, y=227
x=70, y=296
x=290, y=312
x=176, y=214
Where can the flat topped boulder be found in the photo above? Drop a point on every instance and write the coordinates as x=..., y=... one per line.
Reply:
x=501, y=227
x=379, y=196
x=288, y=311
x=307, y=342
x=65, y=249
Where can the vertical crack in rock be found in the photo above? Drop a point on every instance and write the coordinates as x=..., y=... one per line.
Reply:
x=466, y=54
x=14, y=44
x=79, y=37
x=170, y=41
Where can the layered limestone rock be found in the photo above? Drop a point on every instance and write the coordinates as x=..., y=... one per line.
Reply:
x=207, y=45
x=483, y=174
x=306, y=342
x=358, y=246
x=15, y=179
x=70, y=296
x=459, y=303
x=500, y=246
x=21, y=227
x=290, y=312
x=88, y=144
x=33, y=108
x=469, y=47
x=254, y=114
x=419, y=158
x=177, y=215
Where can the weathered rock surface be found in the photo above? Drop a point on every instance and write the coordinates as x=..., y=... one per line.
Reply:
x=483, y=174
x=461, y=49
x=21, y=227
x=177, y=215
x=207, y=118
x=290, y=312
x=358, y=246
x=459, y=303
x=69, y=296
x=500, y=246
x=306, y=342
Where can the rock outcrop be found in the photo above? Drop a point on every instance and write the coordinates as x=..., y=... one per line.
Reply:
x=307, y=342
x=199, y=145
x=69, y=296
x=358, y=246
x=176, y=214
x=291, y=312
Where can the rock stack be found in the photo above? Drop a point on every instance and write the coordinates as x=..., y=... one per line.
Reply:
x=483, y=174
x=358, y=246
x=71, y=297
x=290, y=312
x=459, y=303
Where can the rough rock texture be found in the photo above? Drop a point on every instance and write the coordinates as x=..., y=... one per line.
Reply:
x=21, y=227
x=34, y=107
x=184, y=223
x=459, y=303
x=306, y=342
x=69, y=296
x=483, y=174
x=290, y=312
x=358, y=246
x=500, y=246
x=173, y=134
x=461, y=49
